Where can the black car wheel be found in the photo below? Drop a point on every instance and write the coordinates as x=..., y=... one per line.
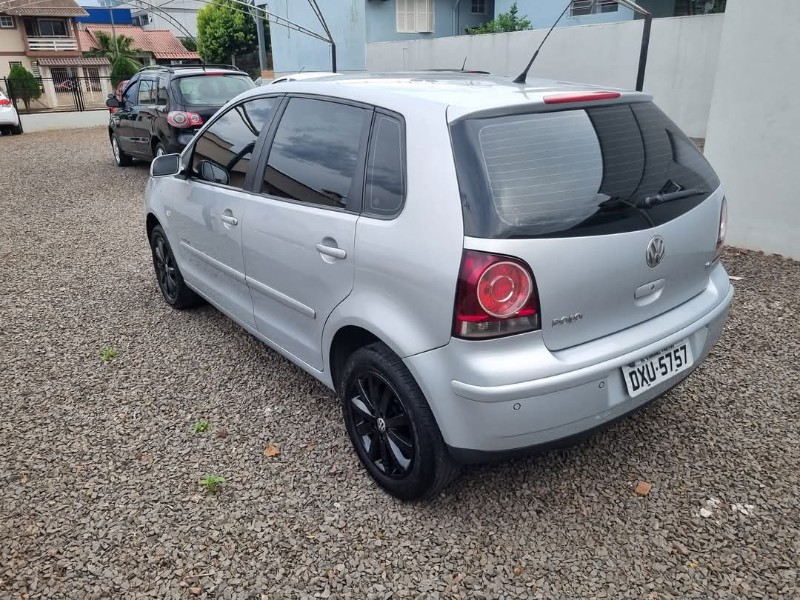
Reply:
x=170, y=281
x=391, y=425
x=122, y=159
x=159, y=150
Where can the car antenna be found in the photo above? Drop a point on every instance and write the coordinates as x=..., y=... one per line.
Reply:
x=524, y=75
x=465, y=63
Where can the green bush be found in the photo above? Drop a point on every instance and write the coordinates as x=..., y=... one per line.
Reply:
x=123, y=68
x=23, y=85
x=504, y=22
x=189, y=43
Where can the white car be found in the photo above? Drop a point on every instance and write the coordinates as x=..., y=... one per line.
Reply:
x=9, y=120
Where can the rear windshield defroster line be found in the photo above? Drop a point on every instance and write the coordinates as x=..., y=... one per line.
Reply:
x=579, y=172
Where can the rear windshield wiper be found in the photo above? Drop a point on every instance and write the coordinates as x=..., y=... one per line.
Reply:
x=651, y=201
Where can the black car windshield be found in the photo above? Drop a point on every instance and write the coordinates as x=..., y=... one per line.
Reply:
x=211, y=89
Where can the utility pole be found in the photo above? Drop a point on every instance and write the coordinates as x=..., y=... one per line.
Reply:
x=262, y=41
x=113, y=29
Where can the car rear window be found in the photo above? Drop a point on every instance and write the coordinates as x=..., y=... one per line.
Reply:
x=591, y=171
x=212, y=90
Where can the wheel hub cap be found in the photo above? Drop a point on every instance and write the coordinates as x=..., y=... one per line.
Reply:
x=381, y=425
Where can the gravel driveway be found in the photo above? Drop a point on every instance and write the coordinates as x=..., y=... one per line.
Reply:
x=100, y=465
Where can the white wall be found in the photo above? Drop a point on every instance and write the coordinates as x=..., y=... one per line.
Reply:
x=754, y=127
x=680, y=69
x=64, y=120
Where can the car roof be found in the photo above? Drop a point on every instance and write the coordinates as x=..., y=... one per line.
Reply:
x=182, y=71
x=458, y=92
x=303, y=75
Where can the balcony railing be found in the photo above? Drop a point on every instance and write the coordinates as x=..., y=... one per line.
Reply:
x=52, y=44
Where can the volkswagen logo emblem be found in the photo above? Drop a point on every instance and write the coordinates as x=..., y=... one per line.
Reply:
x=655, y=252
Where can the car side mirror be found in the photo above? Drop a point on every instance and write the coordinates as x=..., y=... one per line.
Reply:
x=214, y=173
x=112, y=101
x=166, y=165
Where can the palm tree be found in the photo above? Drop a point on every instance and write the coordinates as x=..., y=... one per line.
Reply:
x=119, y=50
x=114, y=47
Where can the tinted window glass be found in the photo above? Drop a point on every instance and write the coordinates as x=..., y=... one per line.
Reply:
x=162, y=98
x=227, y=145
x=212, y=90
x=52, y=27
x=147, y=92
x=385, y=182
x=314, y=157
x=130, y=95
x=577, y=172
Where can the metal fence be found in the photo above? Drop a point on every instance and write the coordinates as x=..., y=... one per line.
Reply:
x=61, y=92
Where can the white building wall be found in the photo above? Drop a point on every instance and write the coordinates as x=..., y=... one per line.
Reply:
x=680, y=69
x=754, y=126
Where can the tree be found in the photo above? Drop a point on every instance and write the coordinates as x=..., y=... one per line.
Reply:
x=121, y=54
x=504, y=22
x=224, y=31
x=23, y=85
x=114, y=47
x=189, y=43
x=123, y=68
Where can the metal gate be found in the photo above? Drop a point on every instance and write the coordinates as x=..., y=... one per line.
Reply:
x=64, y=91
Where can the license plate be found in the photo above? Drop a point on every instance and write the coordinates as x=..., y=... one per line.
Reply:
x=648, y=372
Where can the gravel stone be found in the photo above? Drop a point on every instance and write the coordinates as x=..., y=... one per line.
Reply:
x=99, y=496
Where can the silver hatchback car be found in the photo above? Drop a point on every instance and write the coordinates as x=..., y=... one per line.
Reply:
x=476, y=267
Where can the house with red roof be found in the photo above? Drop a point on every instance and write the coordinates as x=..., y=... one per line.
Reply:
x=156, y=47
x=42, y=36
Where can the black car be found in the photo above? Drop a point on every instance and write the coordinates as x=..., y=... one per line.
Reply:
x=161, y=108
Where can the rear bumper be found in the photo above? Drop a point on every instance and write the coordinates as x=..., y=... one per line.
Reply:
x=511, y=396
x=8, y=118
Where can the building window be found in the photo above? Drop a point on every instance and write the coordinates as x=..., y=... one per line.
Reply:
x=606, y=6
x=478, y=7
x=415, y=16
x=589, y=7
x=46, y=28
x=14, y=63
x=6, y=22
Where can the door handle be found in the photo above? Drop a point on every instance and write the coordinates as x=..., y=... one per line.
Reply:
x=230, y=220
x=331, y=251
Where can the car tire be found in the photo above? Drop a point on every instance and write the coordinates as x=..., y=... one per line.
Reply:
x=122, y=159
x=170, y=281
x=391, y=425
x=159, y=150
x=16, y=130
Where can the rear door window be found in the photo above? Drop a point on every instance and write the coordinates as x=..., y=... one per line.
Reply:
x=316, y=153
x=222, y=153
x=577, y=172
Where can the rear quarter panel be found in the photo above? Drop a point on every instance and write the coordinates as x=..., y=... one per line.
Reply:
x=406, y=268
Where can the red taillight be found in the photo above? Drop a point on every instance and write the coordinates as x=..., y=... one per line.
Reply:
x=5, y=102
x=580, y=97
x=723, y=224
x=182, y=120
x=496, y=296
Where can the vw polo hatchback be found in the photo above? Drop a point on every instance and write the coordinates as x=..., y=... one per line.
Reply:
x=477, y=267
